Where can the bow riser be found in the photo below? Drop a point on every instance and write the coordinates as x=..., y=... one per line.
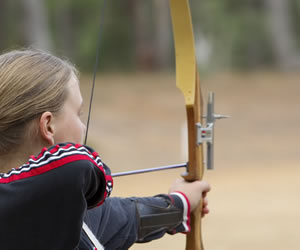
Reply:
x=194, y=116
x=195, y=167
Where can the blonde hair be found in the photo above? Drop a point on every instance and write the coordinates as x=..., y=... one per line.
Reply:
x=31, y=82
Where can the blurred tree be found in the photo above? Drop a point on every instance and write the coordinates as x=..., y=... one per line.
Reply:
x=283, y=42
x=3, y=11
x=235, y=32
x=295, y=17
x=74, y=27
x=246, y=34
x=11, y=34
x=144, y=50
x=35, y=23
x=152, y=32
x=64, y=30
x=162, y=33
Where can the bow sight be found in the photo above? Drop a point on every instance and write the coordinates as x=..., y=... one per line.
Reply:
x=205, y=134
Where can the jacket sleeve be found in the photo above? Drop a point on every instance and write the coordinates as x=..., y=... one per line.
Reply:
x=116, y=223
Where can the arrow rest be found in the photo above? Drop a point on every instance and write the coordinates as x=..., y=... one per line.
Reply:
x=206, y=133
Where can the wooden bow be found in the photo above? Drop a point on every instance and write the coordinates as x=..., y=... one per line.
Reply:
x=188, y=82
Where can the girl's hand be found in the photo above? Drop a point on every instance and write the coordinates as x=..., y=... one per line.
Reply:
x=195, y=192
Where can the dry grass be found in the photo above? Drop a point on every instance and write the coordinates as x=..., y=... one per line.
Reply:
x=137, y=123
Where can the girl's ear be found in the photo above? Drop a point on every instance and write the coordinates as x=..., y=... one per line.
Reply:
x=46, y=126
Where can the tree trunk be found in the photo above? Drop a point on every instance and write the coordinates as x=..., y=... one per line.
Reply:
x=3, y=25
x=281, y=32
x=144, y=54
x=65, y=37
x=36, y=29
x=163, y=35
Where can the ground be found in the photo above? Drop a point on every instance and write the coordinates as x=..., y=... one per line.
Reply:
x=138, y=122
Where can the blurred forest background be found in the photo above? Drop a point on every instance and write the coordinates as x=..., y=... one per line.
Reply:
x=137, y=35
x=248, y=53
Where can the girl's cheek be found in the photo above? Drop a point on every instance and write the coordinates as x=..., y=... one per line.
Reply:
x=83, y=127
x=83, y=131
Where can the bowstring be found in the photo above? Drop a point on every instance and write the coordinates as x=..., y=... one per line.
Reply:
x=101, y=22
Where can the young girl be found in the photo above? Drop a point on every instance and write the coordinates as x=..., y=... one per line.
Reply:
x=53, y=188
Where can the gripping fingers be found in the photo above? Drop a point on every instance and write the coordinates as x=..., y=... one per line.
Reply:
x=205, y=209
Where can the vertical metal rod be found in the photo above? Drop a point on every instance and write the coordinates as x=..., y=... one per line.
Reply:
x=210, y=121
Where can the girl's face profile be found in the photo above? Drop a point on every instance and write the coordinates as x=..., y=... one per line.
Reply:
x=69, y=127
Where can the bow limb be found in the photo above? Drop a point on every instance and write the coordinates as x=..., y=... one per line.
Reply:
x=188, y=82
